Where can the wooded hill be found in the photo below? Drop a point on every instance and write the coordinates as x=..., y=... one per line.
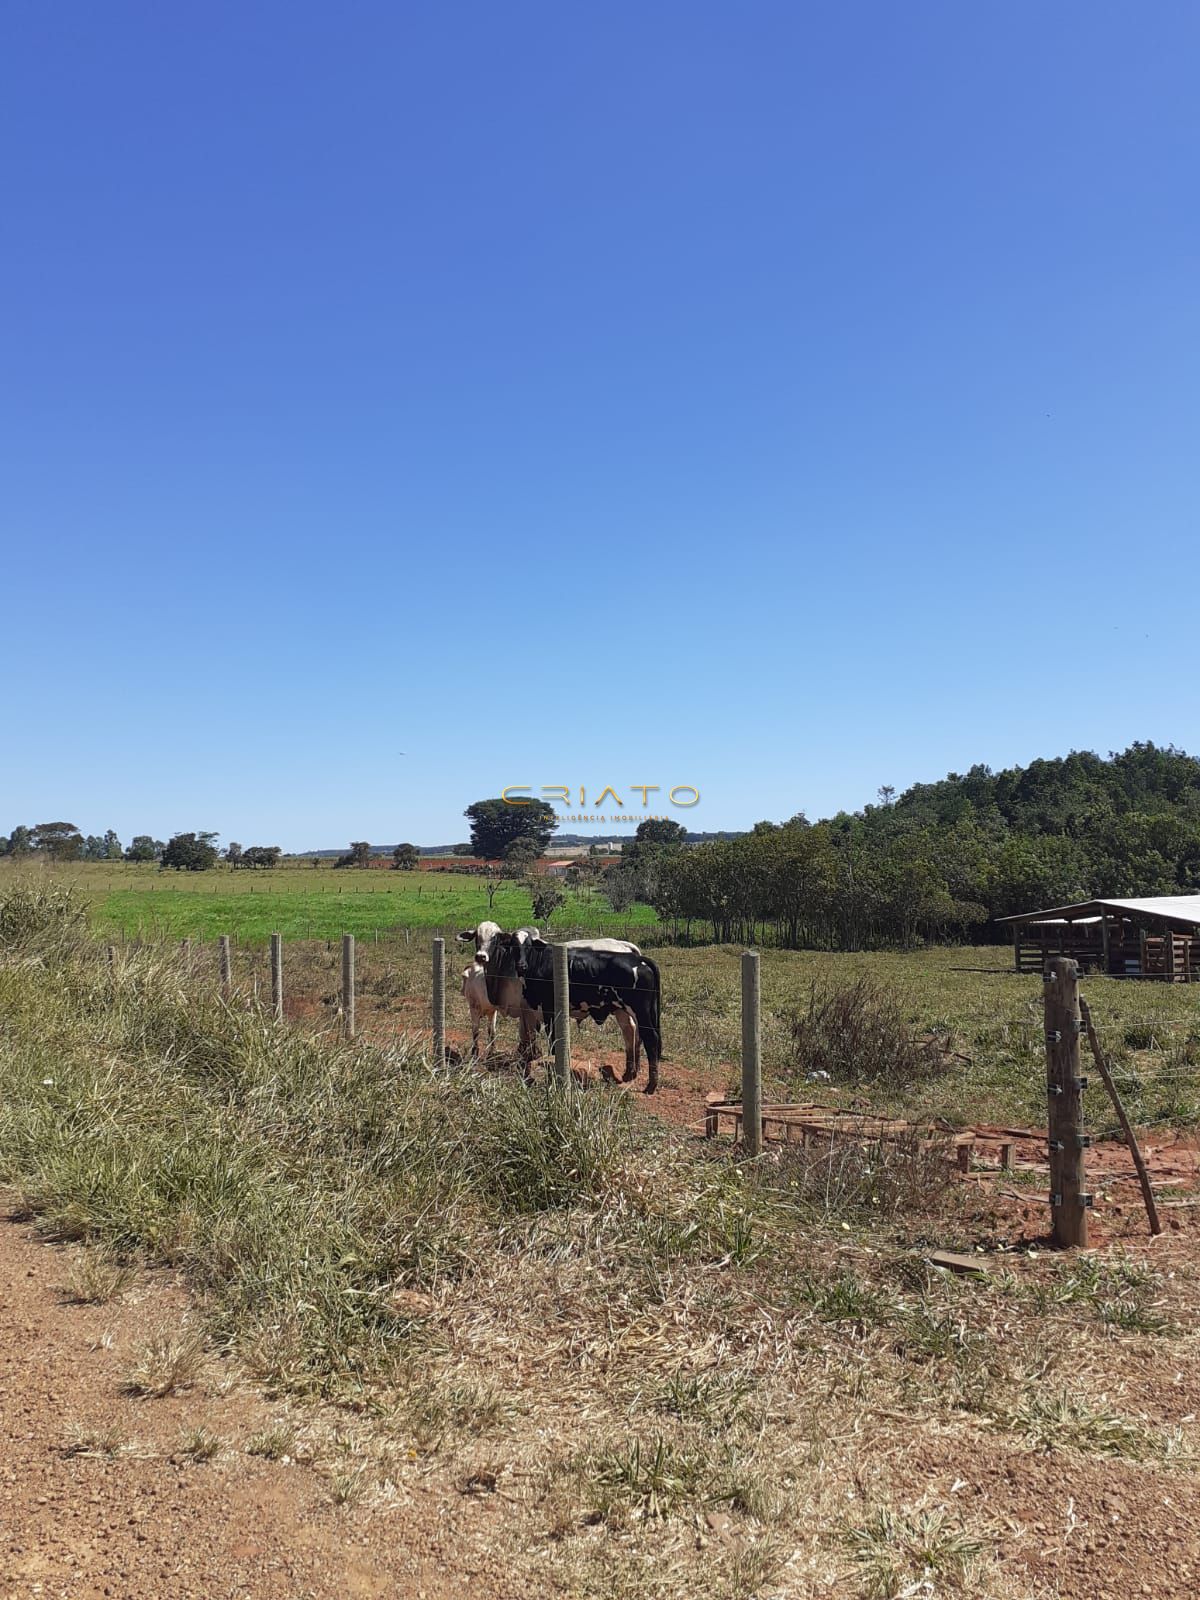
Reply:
x=943, y=859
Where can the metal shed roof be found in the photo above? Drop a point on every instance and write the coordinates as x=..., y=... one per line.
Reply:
x=1183, y=908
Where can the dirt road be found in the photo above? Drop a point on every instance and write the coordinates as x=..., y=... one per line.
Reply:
x=99, y=1495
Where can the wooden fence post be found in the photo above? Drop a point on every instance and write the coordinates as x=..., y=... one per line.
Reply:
x=562, y=1015
x=277, y=976
x=225, y=965
x=751, y=1055
x=348, y=985
x=1064, y=1097
x=439, y=1002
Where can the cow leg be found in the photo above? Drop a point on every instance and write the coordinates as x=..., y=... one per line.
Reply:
x=491, y=1030
x=627, y=1023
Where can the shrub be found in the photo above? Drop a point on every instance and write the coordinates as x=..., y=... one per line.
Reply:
x=41, y=918
x=858, y=1033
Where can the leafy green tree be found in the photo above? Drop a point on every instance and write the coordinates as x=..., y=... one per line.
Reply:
x=144, y=848
x=358, y=855
x=93, y=848
x=61, y=841
x=406, y=858
x=112, y=846
x=495, y=825
x=20, y=841
x=261, y=855
x=234, y=853
x=190, y=852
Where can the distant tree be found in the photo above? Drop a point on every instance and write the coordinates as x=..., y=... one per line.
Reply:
x=20, y=841
x=233, y=853
x=93, y=848
x=190, y=852
x=406, y=858
x=887, y=794
x=620, y=888
x=261, y=855
x=462, y=849
x=112, y=846
x=659, y=831
x=5, y=845
x=144, y=848
x=358, y=855
x=495, y=825
x=521, y=857
x=547, y=896
x=61, y=841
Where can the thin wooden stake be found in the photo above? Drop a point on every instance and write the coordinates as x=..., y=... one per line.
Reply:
x=751, y=1055
x=439, y=1002
x=1130, y=1139
x=225, y=965
x=562, y=1015
x=277, y=976
x=348, y=985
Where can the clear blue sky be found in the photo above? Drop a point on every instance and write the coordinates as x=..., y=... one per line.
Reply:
x=782, y=399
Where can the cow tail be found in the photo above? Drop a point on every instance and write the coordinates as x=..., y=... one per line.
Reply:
x=653, y=965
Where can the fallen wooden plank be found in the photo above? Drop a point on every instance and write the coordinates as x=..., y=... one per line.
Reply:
x=952, y=1261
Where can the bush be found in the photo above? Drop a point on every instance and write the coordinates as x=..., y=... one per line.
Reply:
x=859, y=1034
x=42, y=918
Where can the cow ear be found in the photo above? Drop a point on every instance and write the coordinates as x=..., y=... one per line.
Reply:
x=466, y=936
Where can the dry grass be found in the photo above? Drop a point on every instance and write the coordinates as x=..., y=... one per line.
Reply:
x=170, y=1360
x=95, y=1278
x=82, y=1440
x=277, y=1443
x=199, y=1444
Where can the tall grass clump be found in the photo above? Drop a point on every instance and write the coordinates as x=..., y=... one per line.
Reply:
x=41, y=919
x=300, y=1182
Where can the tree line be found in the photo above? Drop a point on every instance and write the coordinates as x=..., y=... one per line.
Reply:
x=184, y=852
x=938, y=862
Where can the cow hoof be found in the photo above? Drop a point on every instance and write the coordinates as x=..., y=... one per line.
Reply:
x=630, y=1074
x=650, y=1088
x=607, y=1073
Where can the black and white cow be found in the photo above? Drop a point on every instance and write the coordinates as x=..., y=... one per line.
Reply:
x=601, y=983
x=489, y=1001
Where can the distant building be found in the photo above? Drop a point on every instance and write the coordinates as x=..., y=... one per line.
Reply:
x=1153, y=938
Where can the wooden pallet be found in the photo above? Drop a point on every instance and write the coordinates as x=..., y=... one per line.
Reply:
x=811, y=1124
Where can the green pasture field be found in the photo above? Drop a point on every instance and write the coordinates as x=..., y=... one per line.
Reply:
x=301, y=902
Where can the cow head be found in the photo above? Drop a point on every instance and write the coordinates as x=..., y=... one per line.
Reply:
x=481, y=936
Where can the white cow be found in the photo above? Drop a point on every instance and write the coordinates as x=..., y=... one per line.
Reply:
x=483, y=1012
